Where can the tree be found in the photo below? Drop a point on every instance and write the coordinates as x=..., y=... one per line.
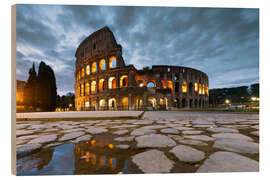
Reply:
x=30, y=88
x=46, y=88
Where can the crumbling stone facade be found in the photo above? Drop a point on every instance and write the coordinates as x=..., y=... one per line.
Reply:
x=104, y=82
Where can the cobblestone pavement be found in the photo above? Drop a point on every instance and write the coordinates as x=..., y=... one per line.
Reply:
x=199, y=142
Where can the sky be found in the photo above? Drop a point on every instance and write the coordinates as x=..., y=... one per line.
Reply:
x=222, y=42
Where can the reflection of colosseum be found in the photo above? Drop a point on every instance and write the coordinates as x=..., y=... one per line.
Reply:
x=103, y=81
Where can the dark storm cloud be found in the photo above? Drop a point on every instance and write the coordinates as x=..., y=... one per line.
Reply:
x=221, y=42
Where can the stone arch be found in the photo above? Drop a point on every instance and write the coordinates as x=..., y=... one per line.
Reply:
x=94, y=67
x=123, y=81
x=196, y=103
x=191, y=103
x=87, y=88
x=112, y=104
x=112, y=83
x=102, y=104
x=82, y=72
x=177, y=103
x=163, y=103
x=176, y=87
x=190, y=87
x=87, y=69
x=102, y=64
x=152, y=102
x=151, y=84
x=112, y=62
x=184, y=87
x=93, y=86
x=138, y=103
x=101, y=85
x=184, y=103
x=124, y=103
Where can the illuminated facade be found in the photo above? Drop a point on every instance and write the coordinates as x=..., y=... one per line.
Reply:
x=104, y=82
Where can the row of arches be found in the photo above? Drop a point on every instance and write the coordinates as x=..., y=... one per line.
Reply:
x=93, y=68
x=190, y=103
x=125, y=103
x=94, y=85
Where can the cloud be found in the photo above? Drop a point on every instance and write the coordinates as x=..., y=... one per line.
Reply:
x=224, y=43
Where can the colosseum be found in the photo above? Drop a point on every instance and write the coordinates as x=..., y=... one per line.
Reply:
x=105, y=82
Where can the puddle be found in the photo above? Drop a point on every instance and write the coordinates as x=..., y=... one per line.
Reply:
x=97, y=156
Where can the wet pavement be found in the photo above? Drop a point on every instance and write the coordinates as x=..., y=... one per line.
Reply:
x=158, y=142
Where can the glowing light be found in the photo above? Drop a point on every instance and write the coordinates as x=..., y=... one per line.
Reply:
x=112, y=62
x=93, y=141
x=102, y=64
x=111, y=146
x=94, y=67
x=227, y=101
x=141, y=85
x=184, y=87
x=87, y=69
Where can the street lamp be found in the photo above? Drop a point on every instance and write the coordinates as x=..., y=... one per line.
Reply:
x=227, y=101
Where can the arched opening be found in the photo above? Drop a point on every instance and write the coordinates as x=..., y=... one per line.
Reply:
x=87, y=88
x=184, y=87
x=87, y=69
x=196, y=87
x=138, y=103
x=200, y=89
x=112, y=83
x=124, y=103
x=123, y=81
x=82, y=72
x=177, y=103
x=112, y=104
x=163, y=103
x=94, y=67
x=102, y=64
x=184, y=103
x=191, y=103
x=101, y=85
x=196, y=103
x=200, y=103
x=152, y=102
x=203, y=90
x=176, y=87
x=82, y=89
x=93, y=86
x=190, y=87
x=79, y=75
x=150, y=84
x=102, y=104
x=93, y=104
x=170, y=85
x=176, y=77
x=112, y=62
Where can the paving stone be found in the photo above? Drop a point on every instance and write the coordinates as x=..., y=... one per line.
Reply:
x=255, y=127
x=202, y=122
x=122, y=146
x=200, y=137
x=96, y=130
x=121, y=132
x=73, y=130
x=25, y=149
x=29, y=137
x=237, y=146
x=154, y=140
x=204, y=126
x=51, y=130
x=124, y=126
x=43, y=139
x=125, y=138
x=232, y=136
x=187, y=154
x=169, y=131
x=24, y=132
x=192, y=142
x=191, y=132
x=22, y=126
x=222, y=130
x=144, y=122
x=154, y=127
x=153, y=161
x=70, y=136
x=83, y=138
x=141, y=131
x=52, y=144
x=183, y=128
x=255, y=133
x=228, y=162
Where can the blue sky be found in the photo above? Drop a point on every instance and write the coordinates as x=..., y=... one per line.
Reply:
x=223, y=42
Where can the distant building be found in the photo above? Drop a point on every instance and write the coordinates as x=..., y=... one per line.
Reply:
x=20, y=94
x=103, y=81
